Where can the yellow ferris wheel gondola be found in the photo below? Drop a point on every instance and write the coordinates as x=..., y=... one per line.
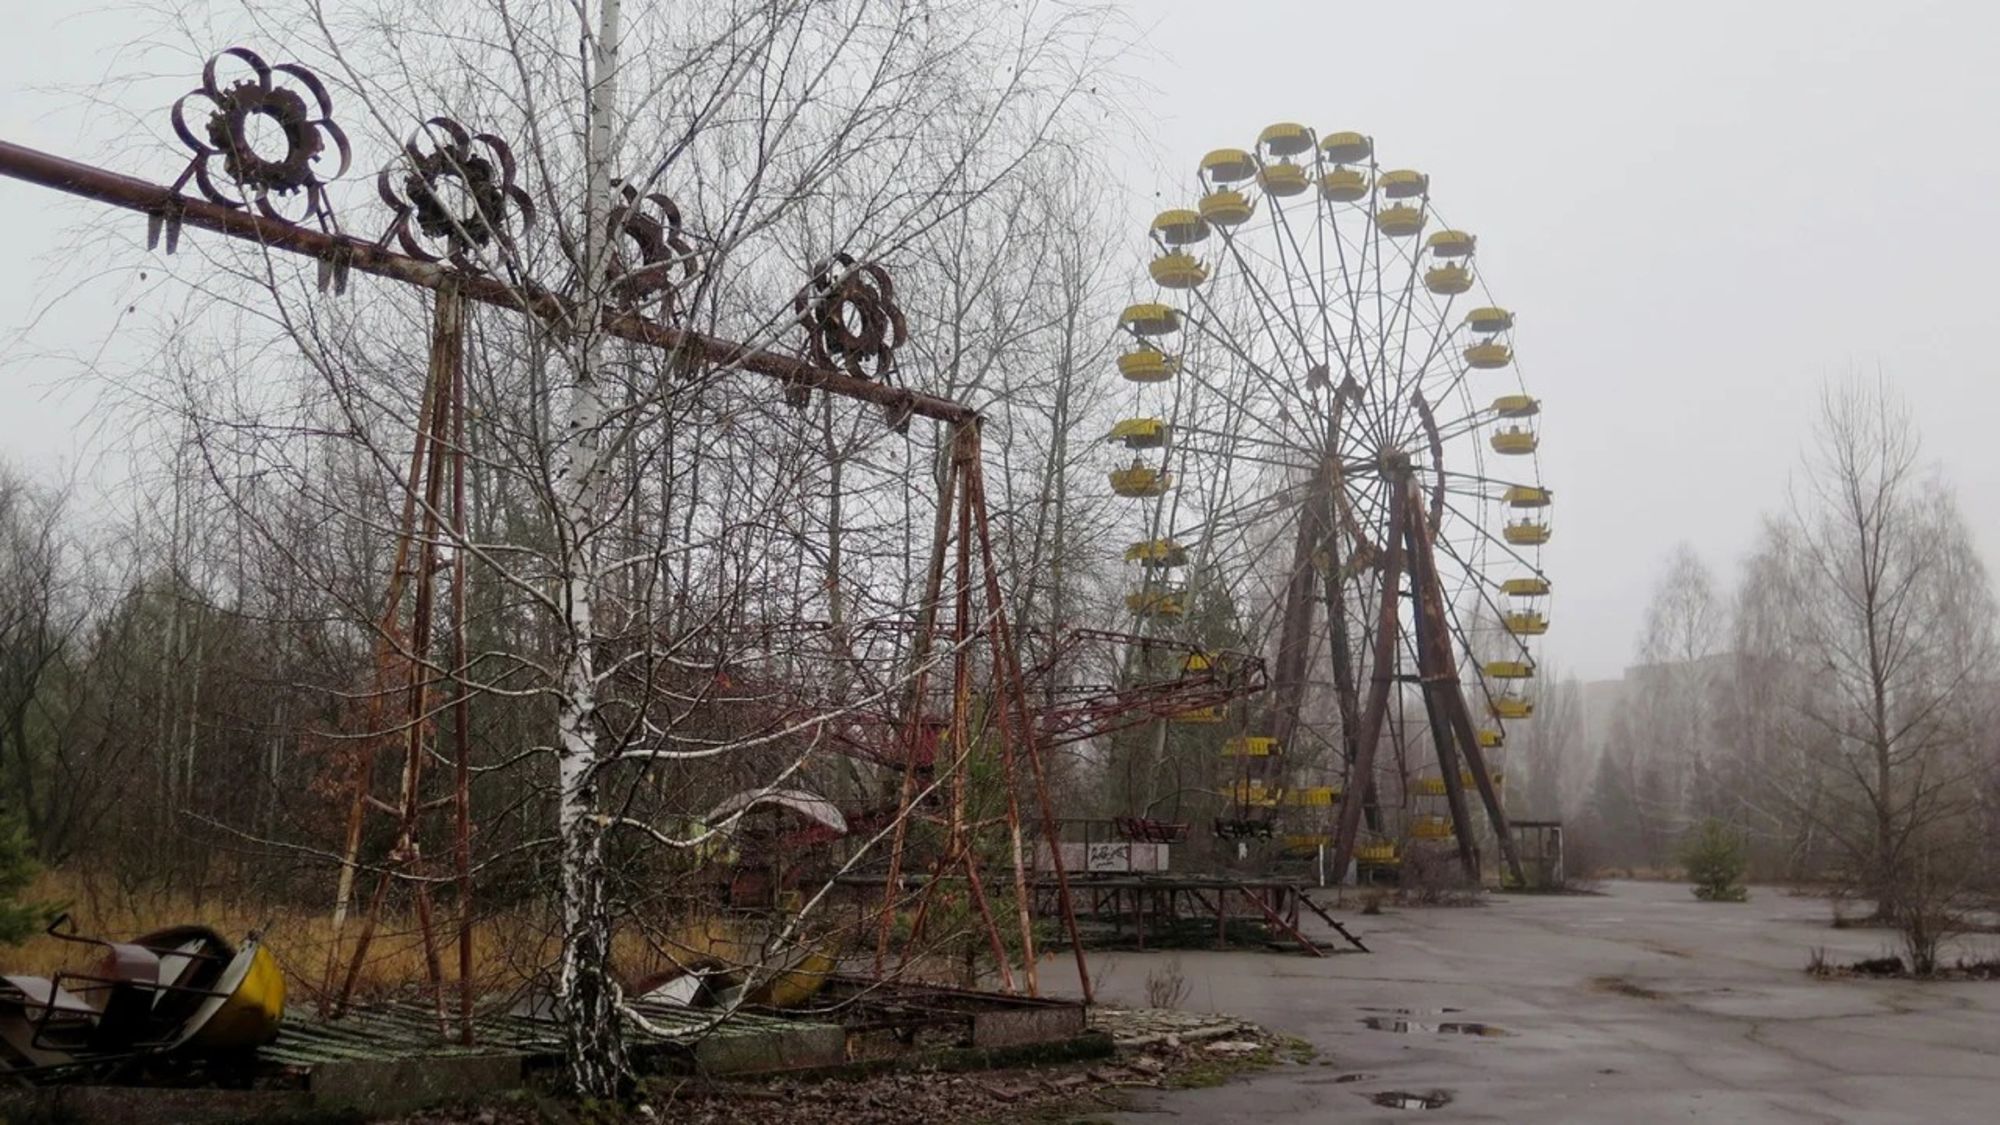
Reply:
x=1311, y=796
x=1177, y=269
x=1283, y=179
x=1162, y=553
x=1286, y=138
x=1400, y=221
x=1249, y=746
x=1229, y=165
x=1448, y=280
x=1180, y=227
x=1451, y=244
x=1141, y=433
x=1526, y=532
x=1148, y=365
x=1164, y=601
x=1344, y=185
x=1430, y=827
x=1345, y=148
x=1252, y=792
x=1488, y=355
x=1403, y=183
x=1141, y=481
x=1150, y=318
x=1377, y=853
x=1530, y=587
x=1277, y=174
x=1515, y=441
x=1226, y=207
x=1489, y=320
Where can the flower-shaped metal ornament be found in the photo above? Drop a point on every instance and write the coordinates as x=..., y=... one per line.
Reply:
x=267, y=136
x=851, y=319
x=454, y=196
x=651, y=258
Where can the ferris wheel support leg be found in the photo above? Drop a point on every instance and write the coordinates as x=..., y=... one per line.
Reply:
x=1440, y=685
x=1437, y=710
x=1346, y=695
x=1384, y=672
x=1482, y=778
x=1295, y=635
x=1423, y=577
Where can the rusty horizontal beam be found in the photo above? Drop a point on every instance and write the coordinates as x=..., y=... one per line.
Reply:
x=89, y=182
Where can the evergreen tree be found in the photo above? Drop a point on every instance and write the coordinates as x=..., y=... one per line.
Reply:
x=18, y=917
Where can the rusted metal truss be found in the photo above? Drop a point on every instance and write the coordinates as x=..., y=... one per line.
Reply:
x=456, y=215
x=243, y=193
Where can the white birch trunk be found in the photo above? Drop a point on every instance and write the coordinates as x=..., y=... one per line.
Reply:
x=587, y=998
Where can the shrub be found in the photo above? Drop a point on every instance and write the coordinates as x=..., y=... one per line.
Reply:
x=19, y=919
x=1166, y=986
x=1716, y=856
x=1929, y=902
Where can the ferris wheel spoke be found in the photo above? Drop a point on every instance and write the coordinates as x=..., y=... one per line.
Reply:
x=1532, y=566
x=1282, y=224
x=1263, y=299
x=1398, y=325
x=1440, y=334
x=1217, y=325
x=1454, y=475
x=1468, y=423
x=1499, y=615
x=1194, y=374
x=1375, y=391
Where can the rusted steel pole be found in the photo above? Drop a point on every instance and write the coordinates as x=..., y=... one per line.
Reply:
x=421, y=533
x=961, y=715
x=1014, y=685
x=89, y=182
x=914, y=724
x=461, y=705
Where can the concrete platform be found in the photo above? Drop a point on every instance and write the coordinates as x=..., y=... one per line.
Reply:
x=392, y=1059
x=1636, y=1006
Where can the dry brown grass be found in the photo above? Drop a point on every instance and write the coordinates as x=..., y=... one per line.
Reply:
x=509, y=948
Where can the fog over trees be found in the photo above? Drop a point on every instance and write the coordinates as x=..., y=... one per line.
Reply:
x=1837, y=704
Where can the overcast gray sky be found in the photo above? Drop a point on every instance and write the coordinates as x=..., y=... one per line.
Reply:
x=1698, y=211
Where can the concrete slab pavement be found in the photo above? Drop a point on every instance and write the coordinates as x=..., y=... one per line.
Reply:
x=1641, y=1004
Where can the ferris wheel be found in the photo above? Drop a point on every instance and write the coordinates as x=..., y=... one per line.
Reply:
x=1328, y=427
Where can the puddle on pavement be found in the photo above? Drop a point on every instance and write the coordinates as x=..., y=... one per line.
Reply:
x=1403, y=1099
x=1398, y=1026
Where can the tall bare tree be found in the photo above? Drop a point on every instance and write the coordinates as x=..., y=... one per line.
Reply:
x=1676, y=682
x=1893, y=622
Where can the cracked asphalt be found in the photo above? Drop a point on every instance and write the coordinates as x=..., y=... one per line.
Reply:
x=1637, y=1005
